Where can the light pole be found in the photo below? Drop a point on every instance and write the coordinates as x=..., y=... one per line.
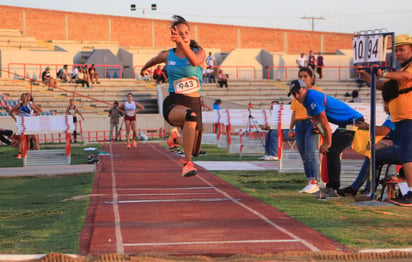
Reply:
x=134, y=8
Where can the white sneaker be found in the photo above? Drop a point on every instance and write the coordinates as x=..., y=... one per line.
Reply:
x=306, y=187
x=311, y=188
x=270, y=158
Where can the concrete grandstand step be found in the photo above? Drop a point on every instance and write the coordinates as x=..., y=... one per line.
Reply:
x=10, y=32
x=14, y=39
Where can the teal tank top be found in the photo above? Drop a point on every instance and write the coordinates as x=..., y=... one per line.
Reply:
x=180, y=68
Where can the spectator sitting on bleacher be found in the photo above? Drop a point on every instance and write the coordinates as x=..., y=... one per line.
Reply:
x=147, y=76
x=387, y=154
x=93, y=74
x=222, y=79
x=81, y=78
x=159, y=75
x=210, y=74
x=47, y=78
x=306, y=137
x=74, y=73
x=64, y=74
x=355, y=97
x=87, y=76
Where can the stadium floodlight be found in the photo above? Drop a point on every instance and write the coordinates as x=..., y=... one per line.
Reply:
x=133, y=7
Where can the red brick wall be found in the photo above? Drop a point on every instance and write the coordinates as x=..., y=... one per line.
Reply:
x=269, y=39
x=46, y=24
x=11, y=18
x=332, y=40
x=128, y=31
x=131, y=31
x=88, y=27
x=303, y=42
x=216, y=36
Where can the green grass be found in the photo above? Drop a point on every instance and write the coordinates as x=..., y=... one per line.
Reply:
x=79, y=156
x=33, y=218
x=354, y=226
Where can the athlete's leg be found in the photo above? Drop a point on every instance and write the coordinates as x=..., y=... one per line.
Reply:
x=183, y=116
x=75, y=132
x=134, y=128
x=127, y=123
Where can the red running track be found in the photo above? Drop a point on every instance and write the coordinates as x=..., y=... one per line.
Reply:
x=141, y=203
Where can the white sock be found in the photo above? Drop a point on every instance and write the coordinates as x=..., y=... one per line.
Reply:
x=403, y=186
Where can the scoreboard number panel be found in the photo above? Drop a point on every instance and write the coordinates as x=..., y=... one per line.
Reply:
x=369, y=48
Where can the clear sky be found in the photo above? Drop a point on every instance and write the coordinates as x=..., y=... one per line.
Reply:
x=346, y=16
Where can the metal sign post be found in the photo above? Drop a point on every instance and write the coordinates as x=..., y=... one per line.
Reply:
x=369, y=49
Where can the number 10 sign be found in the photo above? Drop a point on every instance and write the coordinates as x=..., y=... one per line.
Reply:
x=369, y=48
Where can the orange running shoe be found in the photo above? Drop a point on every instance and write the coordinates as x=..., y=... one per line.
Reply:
x=189, y=170
x=18, y=156
x=182, y=161
x=128, y=146
x=134, y=143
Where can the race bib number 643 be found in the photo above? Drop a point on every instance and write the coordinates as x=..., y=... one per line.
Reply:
x=186, y=85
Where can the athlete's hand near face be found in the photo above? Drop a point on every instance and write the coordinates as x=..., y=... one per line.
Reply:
x=176, y=37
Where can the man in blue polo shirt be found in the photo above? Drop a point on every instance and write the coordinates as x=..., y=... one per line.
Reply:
x=324, y=109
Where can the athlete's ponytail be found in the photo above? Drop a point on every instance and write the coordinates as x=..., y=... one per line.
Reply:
x=177, y=20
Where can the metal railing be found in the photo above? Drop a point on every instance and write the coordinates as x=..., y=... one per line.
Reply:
x=40, y=67
x=235, y=72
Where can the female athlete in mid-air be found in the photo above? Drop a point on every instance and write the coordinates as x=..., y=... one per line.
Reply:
x=182, y=108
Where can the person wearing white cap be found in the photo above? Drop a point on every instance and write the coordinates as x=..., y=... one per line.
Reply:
x=396, y=87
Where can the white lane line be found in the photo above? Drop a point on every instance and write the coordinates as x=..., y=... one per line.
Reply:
x=212, y=242
x=118, y=232
x=265, y=219
x=165, y=188
x=171, y=200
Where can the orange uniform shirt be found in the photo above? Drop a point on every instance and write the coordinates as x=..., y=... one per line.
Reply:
x=401, y=107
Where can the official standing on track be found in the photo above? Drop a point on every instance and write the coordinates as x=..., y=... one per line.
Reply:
x=182, y=107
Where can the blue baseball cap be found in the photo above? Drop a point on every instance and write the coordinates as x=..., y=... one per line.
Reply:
x=295, y=85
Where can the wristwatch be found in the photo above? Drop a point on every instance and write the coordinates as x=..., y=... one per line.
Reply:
x=384, y=73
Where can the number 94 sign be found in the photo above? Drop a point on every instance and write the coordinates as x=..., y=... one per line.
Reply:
x=369, y=48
